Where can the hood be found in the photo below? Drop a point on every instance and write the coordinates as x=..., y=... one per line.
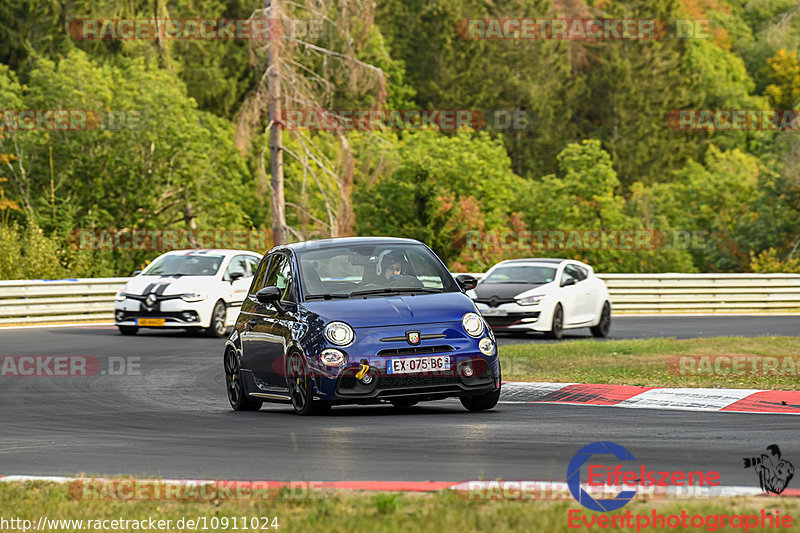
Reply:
x=502, y=291
x=400, y=310
x=144, y=285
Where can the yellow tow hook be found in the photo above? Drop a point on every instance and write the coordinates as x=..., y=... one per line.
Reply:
x=362, y=375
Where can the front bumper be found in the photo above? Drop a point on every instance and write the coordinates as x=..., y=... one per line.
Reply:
x=515, y=317
x=175, y=313
x=385, y=344
x=428, y=385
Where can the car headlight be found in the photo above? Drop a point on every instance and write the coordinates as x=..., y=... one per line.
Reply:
x=194, y=296
x=120, y=296
x=332, y=357
x=531, y=300
x=339, y=333
x=486, y=346
x=473, y=324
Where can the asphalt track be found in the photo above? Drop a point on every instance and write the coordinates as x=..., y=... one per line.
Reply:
x=688, y=327
x=172, y=419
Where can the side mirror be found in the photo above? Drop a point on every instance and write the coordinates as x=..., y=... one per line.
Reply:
x=235, y=275
x=270, y=295
x=136, y=272
x=567, y=283
x=466, y=282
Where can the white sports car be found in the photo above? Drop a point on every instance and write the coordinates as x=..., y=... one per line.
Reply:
x=187, y=289
x=547, y=295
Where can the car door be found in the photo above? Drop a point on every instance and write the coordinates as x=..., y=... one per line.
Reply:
x=569, y=296
x=588, y=295
x=268, y=329
x=252, y=323
x=237, y=286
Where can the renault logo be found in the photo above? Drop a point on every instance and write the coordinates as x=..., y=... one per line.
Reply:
x=150, y=300
x=413, y=337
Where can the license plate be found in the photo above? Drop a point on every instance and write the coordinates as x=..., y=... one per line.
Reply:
x=409, y=365
x=150, y=321
x=493, y=312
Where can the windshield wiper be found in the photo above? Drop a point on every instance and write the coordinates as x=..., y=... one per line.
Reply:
x=326, y=296
x=389, y=290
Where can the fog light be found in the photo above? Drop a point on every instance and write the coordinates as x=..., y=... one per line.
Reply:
x=120, y=316
x=486, y=346
x=332, y=357
x=467, y=371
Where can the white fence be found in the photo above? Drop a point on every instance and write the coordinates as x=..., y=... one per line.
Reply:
x=46, y=301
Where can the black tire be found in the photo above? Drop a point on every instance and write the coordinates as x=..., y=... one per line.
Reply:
x=233, y=381
x=604, y=326
x=481, y=402
x=217, y=328
x=128, y=330
x=402, y=404
x=557, y=327
x=300, y=388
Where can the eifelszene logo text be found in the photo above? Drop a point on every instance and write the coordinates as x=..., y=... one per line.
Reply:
x=643, y=477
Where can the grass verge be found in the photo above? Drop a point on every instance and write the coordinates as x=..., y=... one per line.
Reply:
x=658, y=363
x=353, y=512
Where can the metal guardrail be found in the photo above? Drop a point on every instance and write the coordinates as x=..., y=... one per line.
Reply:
x=91, y=299
x=707, y=294
x=703, y=293
x=61, y=300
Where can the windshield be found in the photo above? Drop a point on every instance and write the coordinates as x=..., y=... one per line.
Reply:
x=184, y=265
x=528, y=274
x=382, y=270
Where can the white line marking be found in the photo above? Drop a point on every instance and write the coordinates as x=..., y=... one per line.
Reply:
x=687, y=399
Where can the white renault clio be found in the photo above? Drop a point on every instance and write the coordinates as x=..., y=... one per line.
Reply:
x=543, y=294
x=192, y=289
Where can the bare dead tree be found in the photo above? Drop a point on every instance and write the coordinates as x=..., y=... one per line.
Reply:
x=300, y=74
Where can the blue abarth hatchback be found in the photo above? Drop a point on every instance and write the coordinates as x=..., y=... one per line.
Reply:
x=359, y=320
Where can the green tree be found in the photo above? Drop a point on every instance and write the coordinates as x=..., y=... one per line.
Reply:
x=586, y=195
x=443, y=187
x=153, y=161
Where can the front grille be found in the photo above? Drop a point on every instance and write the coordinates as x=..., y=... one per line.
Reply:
x=494, y=301
x=347, y=382
x=155, y=313
x=452, y=380
x=508, y=320
x=402, y=381
x=422, y=337
x=416, y=350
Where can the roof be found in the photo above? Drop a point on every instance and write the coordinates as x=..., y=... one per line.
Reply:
x=553, y=260
x=345, y=241
x=215, y=251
